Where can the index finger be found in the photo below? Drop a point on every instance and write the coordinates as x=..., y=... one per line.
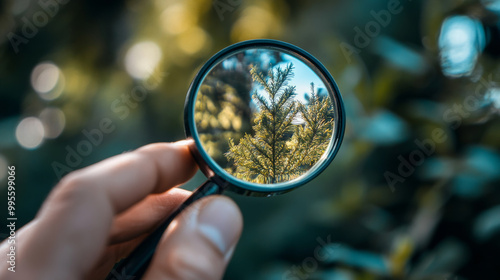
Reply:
x=74, y=223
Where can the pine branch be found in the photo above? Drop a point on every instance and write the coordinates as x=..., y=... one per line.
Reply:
x=259, y=77
x=261, y=101
x=278, y=149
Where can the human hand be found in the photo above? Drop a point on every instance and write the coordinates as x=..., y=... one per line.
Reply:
x=97, y=215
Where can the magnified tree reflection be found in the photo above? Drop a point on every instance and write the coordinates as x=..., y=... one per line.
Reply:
x=252, y=122
x=288, y=137
x=222, y=108
x=222, y=111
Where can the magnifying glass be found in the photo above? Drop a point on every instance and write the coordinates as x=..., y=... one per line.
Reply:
x=265, y=117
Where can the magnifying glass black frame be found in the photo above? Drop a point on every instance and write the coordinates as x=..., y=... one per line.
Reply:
x=225, y=180
x=218, y=179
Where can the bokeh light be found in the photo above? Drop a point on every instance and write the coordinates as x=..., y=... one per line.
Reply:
x=47, y=80
x=193, y=41
x=255, y=22
x=142, y=59
x=492, y=5
x=30, y=133
x=53, y=121
x=493, y=96
x=461, y=40
x=177, y=18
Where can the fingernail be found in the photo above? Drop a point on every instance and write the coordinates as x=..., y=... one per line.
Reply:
x=220, y=222
x=185, y=142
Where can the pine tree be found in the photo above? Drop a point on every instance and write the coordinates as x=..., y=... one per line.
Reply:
x=222, y=108
x=262, y=157
x=279, y=150
x=311, y=139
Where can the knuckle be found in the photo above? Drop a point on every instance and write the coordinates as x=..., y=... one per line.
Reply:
x=72, y=188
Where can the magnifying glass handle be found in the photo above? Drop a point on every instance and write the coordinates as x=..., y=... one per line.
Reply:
x=138, y=261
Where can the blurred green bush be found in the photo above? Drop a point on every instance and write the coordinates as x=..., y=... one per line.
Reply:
x=413, y=194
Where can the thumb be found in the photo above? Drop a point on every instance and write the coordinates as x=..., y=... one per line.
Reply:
x=199, y=243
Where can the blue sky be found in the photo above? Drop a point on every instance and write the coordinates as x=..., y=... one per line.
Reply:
x=303, y=76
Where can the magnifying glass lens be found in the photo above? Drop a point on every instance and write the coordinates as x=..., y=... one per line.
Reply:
x=264, y=116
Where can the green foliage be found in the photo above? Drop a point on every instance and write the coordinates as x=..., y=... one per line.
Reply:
x=280, y=150
x=312, y=139
x=221, y=110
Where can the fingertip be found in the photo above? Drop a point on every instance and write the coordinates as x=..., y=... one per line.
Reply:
x=185, y=142
x=220, y=222
x=173, y=161
x=200, y=242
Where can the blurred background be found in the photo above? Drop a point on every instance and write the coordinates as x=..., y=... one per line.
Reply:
x=413, y=193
